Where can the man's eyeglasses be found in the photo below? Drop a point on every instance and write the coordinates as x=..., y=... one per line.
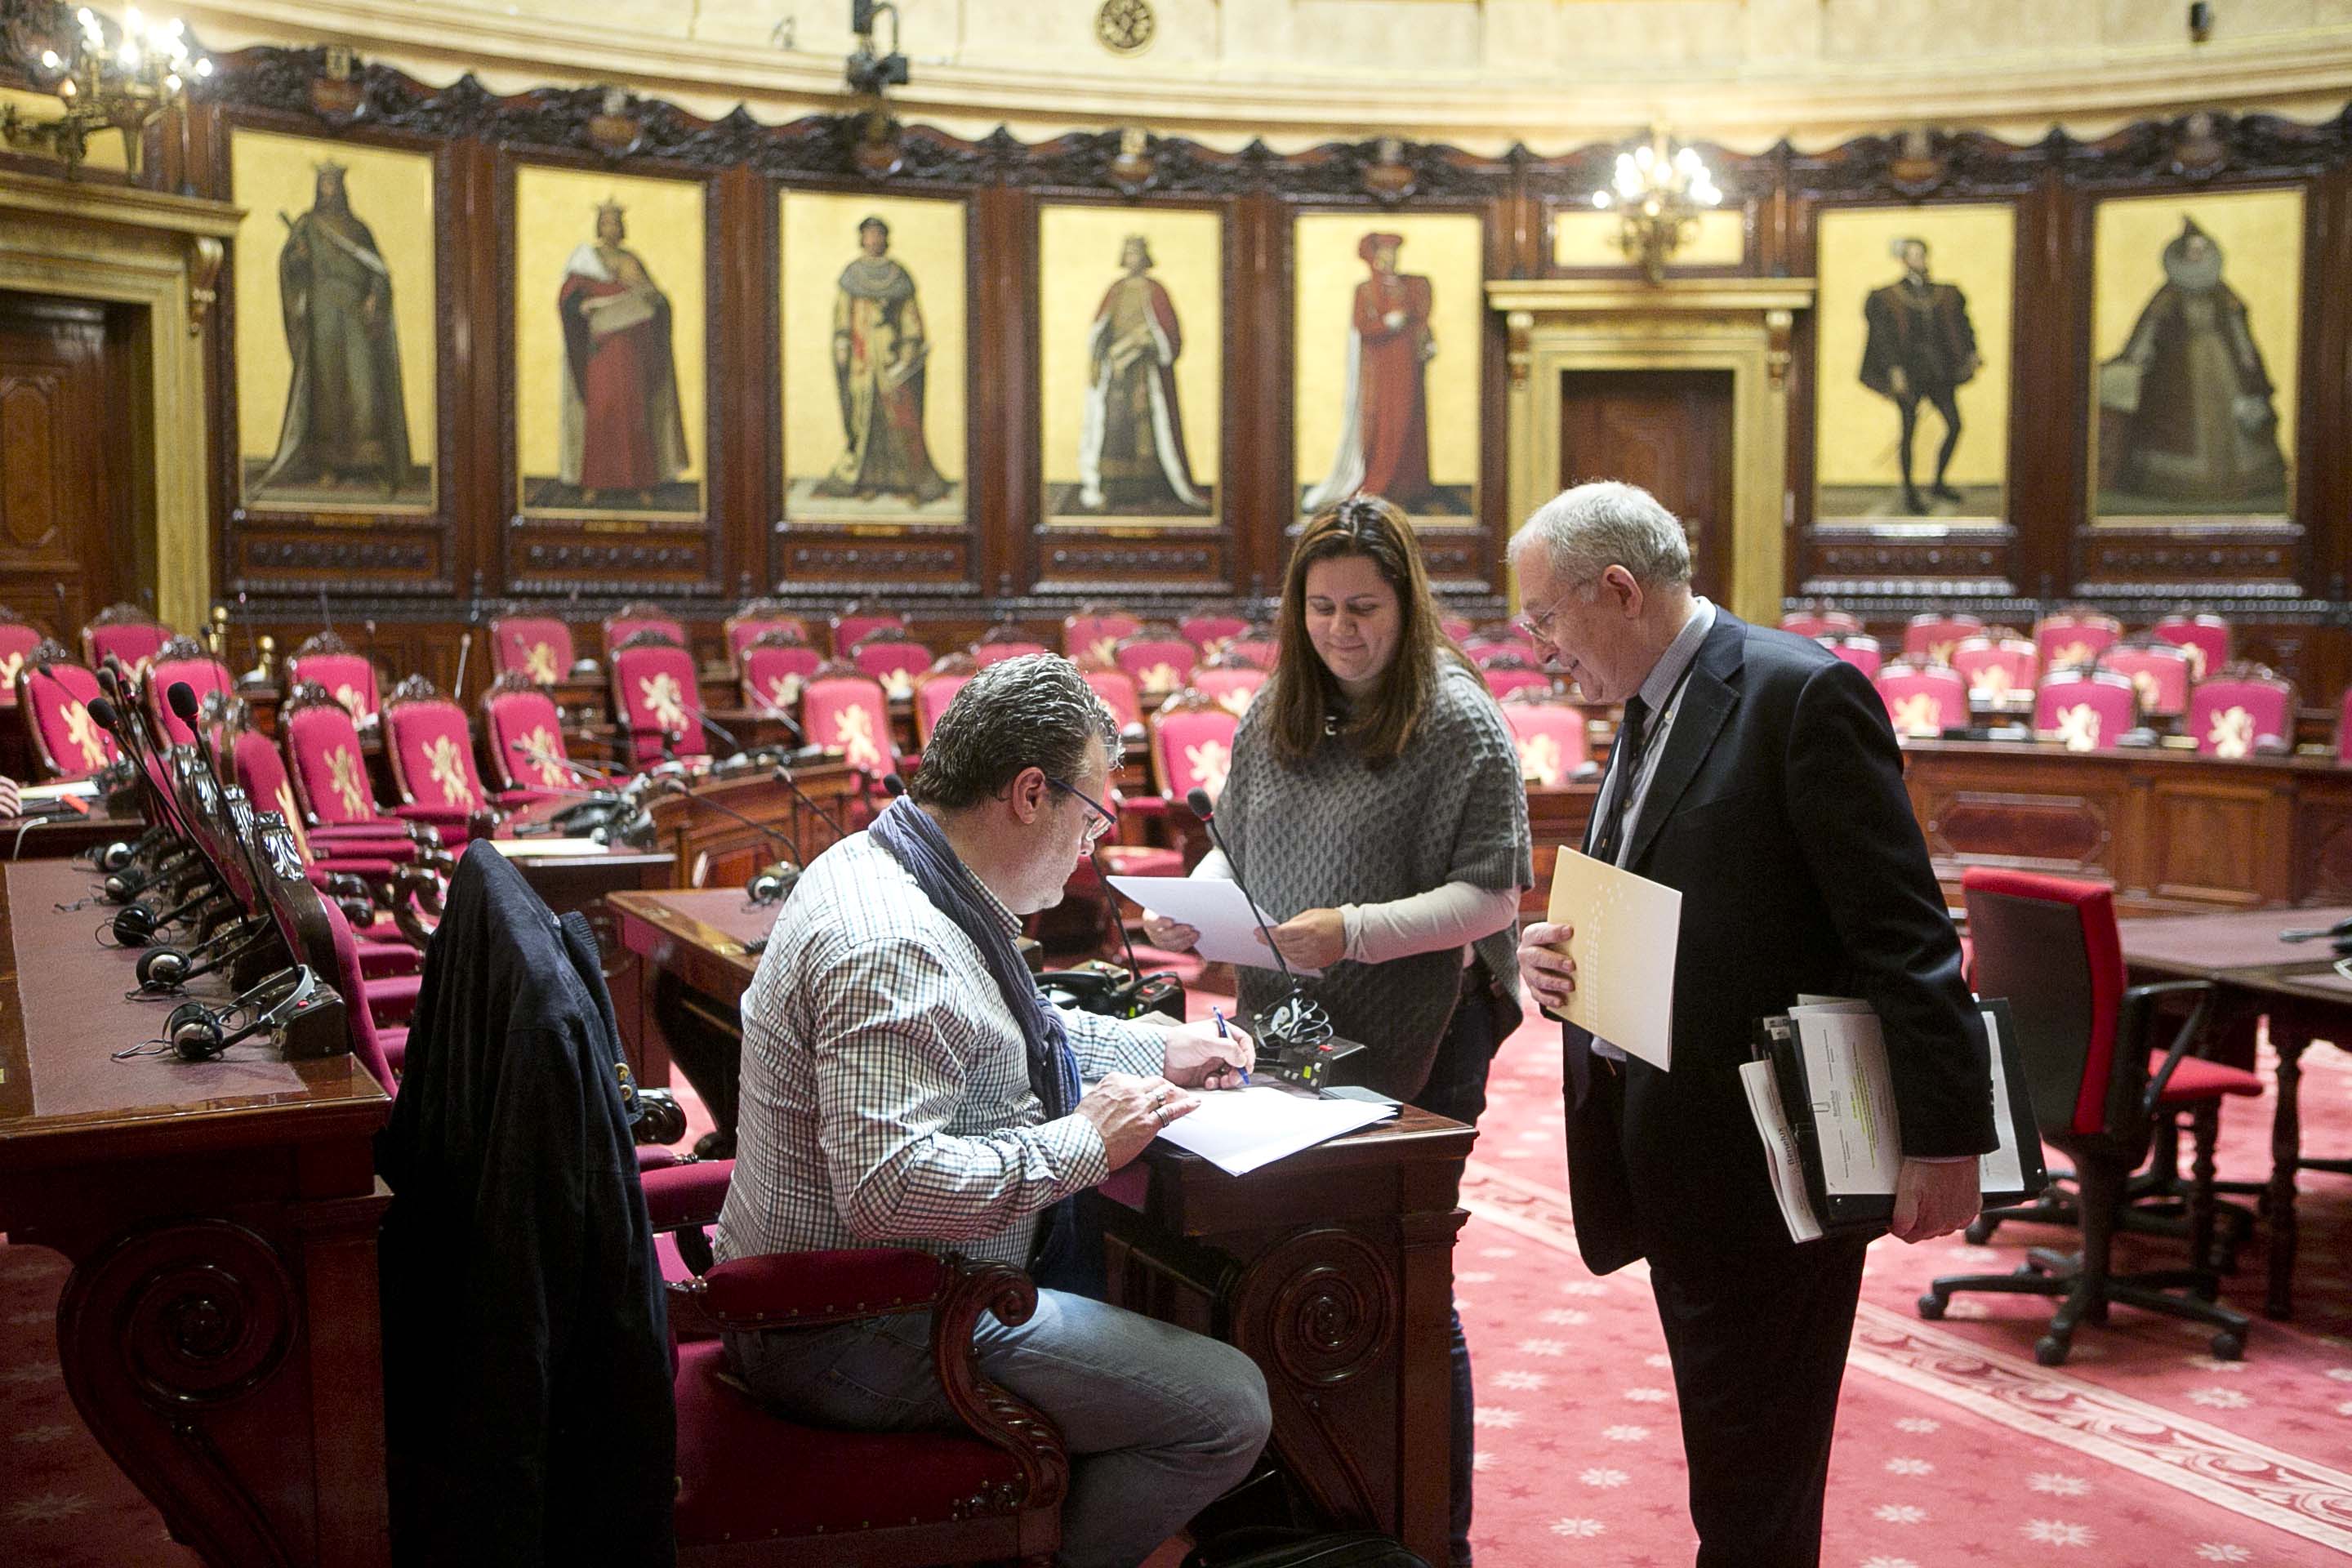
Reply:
x=1104, y=821
x=1539, y=627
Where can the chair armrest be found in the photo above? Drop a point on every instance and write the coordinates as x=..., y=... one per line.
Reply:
x=685, y=1192
x=2138, y=1015
x=807, y=1288
x=996, y=1415
x=1144, y=805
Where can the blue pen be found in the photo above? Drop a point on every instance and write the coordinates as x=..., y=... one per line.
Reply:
x=1223, y=1034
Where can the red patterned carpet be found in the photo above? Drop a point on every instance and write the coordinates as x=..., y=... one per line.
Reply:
x=1956, y=1451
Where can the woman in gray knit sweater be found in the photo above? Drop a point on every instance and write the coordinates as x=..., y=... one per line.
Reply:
x=1376, y=805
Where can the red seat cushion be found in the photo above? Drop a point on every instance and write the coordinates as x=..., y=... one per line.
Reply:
x=383, y=959
x=393, y=999
x=730, y=1453
x=395, y=1047
x=2196, y=1078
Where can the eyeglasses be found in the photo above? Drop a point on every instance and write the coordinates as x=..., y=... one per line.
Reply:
x=1104, y=821
x=1540, y=626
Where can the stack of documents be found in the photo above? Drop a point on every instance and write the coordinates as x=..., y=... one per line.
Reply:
x=1238, y=1129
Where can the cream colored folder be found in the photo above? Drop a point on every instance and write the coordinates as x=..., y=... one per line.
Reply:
x=1626, y=929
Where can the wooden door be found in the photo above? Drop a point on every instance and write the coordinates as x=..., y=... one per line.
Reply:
x=1668, y=431
x=67, y=463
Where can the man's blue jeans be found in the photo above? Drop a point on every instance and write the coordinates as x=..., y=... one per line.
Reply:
x=1158, y=1421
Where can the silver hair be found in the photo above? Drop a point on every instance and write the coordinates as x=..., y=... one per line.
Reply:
x=1607, y=523
x=1035, y=710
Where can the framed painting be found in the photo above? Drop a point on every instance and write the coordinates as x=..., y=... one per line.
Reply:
x=1387, y=316
x=2196, y=337
x=609, y=313
x=336, y=318
x=1913, y=362
x=1131, y=358
x=871, y=302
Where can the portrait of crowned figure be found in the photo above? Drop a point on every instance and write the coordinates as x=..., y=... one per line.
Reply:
x=1384, y=447
x=880, y=354
x=345, y=427
x=1132, y=455
x=622, y=435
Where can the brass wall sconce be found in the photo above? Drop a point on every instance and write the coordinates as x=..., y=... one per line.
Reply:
x=107, y=75
x=1659, y=190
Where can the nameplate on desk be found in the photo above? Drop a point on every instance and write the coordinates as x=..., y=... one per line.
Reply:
x=537, y=848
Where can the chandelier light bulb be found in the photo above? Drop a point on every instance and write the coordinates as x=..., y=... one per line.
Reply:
x=49, y=61
x=204, y=66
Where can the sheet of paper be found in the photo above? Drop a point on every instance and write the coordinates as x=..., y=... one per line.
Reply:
x=2001, y=1170
x=1215, y=907
x=1238, y=1129
x=1626, y=930
x=81, y=789
x=1853, y=1110
x=535, y=849
x=1781, y=1156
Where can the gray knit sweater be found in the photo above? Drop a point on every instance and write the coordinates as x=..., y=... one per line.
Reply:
x=1329, y=830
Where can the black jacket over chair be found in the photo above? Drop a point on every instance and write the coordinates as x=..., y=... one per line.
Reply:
x=527, y=1369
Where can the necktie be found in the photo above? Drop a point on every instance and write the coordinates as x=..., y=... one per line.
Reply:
x=1631, y=737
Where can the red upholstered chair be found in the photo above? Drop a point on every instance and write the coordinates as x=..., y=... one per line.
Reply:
x=656, y=698
x=755, y=619
x=1209, y=630
x=2244, y=710
x=1856, y=648
x=1117, y=689
x=522, y=732
x=2158, y=671
x=1485, y=650
x=773, y=667
x=845, y=710
x=855, y=624
x=537, y=646
x=19, y=639
x=182, y=658
x=1922, y=698
x=1549, y=732
x=2074, y=637
x=1454, y=626
x=2344, y=728
x=2101, y=1078
x=1506, y=672
x=347, y=675
x=1932, y=637
x=1094, y=633
x=1997, y=665
x=2205, y=637
x=1818, y=623
x=1232, y=687
x=1191, y=745
x=1161, y=659
x=1257, y=645
x=260, y=769
x=1008, y=639
x=127, y=632
x=892, y=657
x=2085, y=709
x=432, y=750
x=937, y=686
x=331, y=776
x=636, y=616
x=55, y=697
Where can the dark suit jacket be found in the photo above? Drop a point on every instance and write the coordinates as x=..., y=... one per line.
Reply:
x=1778, y=808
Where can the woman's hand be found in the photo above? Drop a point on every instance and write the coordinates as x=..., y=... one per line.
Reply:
x=1174, y=936
x=1316, y=939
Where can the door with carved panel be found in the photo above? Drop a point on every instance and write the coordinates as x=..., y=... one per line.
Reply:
x=67, y=461
x=1668, y=431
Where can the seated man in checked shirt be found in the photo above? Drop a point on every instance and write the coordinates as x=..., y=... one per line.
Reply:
x=904, y=1085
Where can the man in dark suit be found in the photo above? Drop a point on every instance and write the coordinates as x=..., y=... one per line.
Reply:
x=1921, y=346
x=1757, y=773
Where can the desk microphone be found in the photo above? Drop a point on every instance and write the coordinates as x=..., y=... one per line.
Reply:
x=182, y=697
x=785, y=777
x=2339, y=931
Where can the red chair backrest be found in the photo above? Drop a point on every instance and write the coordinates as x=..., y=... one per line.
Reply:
x=1922, y=698
x=849, y=630
x=1510, y=672
x=655, y=695
x=747, y=626
x=987, y=653
x=2241, y=713
x=2158, y=671
x=204, y=676
x=1454, y=626
x=1191, y=745
x=1261, y=651
x=2084, y=710
x=2344, y=728
x=129, y=634
x=1856, y=649
x=1932, y=637
x=1819, y=623
x=525, y=734
x=2067, y=639
x=540, y=647
x=1231, y=688
x=1096, y=633
x=1208, y=628
x=633, y=619
x=1995, y=666
x=67, y=741
x=1550, y=738
x=261, y=771
x=2206, y=639
x=432, y=750
x=773, y=674
x=937, y=688
x=323, y=753
x=17, y=642
x=892, y=657
x=847, y=713
x=1117, y=689
x=2050, y=947
x=1158, y=663
x=349, y=981
x=349, y=677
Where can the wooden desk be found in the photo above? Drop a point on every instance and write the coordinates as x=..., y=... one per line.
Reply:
x=219, y=1330
x=1333, y=1269
x=55, y=837
x=2296, y=987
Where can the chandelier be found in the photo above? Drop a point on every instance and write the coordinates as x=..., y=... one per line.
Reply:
x=119, y=75
x=1659, y=192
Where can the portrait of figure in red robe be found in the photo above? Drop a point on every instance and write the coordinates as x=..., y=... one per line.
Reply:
x=1384, y=447
x=624, y=439
x=1132, y=454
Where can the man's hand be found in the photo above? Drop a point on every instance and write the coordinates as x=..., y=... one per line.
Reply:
x=1545, y=965
x=1200, y=1057
x=1174, y=936
x=1933, y=1198
x=1315, y=939
x=1129, y=1111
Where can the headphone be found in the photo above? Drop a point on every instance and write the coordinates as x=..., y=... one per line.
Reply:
x=168, y=968
x=195, y=1033
x=773, y=884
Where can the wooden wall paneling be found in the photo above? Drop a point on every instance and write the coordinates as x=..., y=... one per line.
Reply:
x=1010, y=505
x=2330, y=378
x=744, y=361
x=1264, y=461
x=477, y=475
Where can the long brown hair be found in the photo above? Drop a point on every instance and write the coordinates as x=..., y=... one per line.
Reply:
x=1303, y=691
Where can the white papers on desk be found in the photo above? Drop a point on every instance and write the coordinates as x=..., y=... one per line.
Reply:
x=1627, y=928
x=537, y=848
x=1218, y=910
x=1238, y=1129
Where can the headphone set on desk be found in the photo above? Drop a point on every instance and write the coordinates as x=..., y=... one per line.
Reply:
x=195, y=1032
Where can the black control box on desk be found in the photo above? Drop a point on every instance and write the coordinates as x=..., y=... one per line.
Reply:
x=1328, y=1065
